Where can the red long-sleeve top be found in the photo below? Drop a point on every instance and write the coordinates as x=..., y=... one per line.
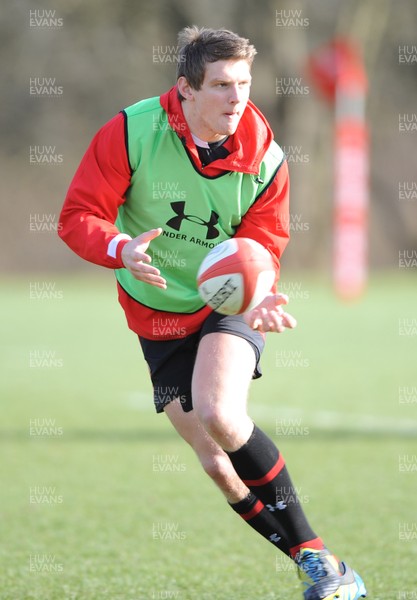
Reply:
x=103, y=177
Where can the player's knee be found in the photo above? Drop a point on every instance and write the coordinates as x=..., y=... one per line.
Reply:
x=215, y=420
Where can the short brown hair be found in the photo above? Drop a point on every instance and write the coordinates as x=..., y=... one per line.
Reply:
x=200, y=45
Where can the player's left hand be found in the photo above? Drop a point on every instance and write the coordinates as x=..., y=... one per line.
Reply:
x=270, y=316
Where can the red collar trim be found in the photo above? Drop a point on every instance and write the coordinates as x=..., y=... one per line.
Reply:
x=248, y=145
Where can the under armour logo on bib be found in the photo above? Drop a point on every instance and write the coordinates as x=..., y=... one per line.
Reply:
x=176, y=222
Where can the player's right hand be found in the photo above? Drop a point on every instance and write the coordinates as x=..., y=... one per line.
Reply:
x=270, y=316
x=136, y=260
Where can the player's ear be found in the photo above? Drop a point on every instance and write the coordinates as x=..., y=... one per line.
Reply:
x=184, y=88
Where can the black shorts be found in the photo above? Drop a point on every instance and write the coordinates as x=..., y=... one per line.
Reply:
x=171, y=363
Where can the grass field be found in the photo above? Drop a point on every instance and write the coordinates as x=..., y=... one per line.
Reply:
x=101, y=500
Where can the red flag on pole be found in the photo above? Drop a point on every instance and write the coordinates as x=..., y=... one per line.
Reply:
x=338, y=72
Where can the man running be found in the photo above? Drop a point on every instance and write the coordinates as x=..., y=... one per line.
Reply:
x=161, y=183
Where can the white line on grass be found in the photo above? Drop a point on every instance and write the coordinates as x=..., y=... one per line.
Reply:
x=334, y=420
x=319, y=419
x=141, y=401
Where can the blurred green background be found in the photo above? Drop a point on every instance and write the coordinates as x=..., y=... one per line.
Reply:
x=84, y=509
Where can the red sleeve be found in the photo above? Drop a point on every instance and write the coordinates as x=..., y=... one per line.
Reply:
x=267, y=221
x=94, y=196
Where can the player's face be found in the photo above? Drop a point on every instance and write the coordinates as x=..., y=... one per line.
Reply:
x=214, y=111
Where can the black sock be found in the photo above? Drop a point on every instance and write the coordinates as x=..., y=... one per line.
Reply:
x=262, y=468
x=257, y=516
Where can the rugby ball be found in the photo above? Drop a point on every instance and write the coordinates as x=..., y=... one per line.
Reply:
x=235, y=276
